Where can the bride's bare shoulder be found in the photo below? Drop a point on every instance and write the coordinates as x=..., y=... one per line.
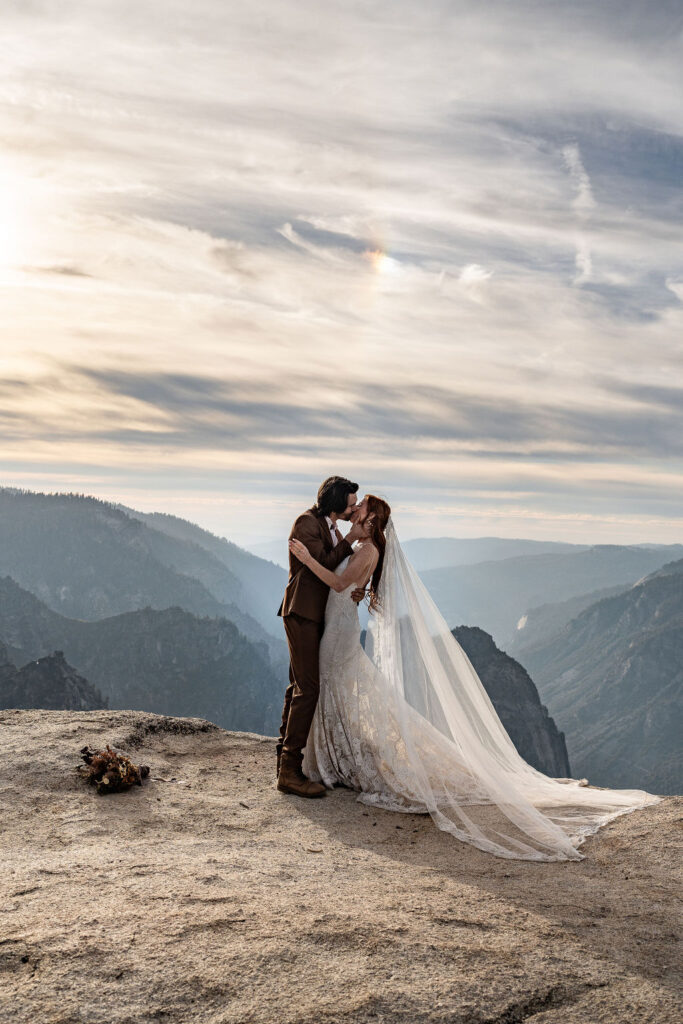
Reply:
x=369, y=548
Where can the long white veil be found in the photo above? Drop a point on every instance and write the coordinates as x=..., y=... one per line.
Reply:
x=462, y=763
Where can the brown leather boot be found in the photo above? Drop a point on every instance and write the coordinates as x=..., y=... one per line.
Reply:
x=292, y=780
x=278, y=757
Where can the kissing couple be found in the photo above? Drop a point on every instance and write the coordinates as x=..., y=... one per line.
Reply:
x=405, y=721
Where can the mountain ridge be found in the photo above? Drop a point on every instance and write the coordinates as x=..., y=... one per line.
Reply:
x=613, y=678
x=259, y=578
x=496, y=594
x=87, y=558
x=162, y=660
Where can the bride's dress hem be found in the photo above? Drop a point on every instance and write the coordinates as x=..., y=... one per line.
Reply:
x=370, y=734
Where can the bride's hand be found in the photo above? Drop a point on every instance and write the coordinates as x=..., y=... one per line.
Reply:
x=300, y=551
x=367, y=527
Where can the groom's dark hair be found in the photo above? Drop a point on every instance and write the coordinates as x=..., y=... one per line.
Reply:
x=333, y=495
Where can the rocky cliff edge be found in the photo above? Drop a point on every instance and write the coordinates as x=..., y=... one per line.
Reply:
x=206, y=895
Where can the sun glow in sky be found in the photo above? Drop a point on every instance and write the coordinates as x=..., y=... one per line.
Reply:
x=242, y=248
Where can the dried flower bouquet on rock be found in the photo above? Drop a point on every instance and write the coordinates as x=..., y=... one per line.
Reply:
x=110, y=772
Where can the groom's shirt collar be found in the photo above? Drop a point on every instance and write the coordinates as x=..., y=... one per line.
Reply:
x=332, y=528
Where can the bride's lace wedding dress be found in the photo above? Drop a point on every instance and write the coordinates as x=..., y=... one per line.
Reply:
x=410, y=727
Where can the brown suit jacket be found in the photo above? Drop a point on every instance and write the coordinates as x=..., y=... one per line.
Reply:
x=305, y=594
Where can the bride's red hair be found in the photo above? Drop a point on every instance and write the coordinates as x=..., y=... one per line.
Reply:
x=380, y=511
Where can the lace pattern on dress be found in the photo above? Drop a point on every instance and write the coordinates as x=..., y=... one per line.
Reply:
x=355, y=738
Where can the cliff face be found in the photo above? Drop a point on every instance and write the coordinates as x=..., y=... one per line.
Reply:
x=613, y=679
x=48, y=683
x=517, y=703
x=206, y=895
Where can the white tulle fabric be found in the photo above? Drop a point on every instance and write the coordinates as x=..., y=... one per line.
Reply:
x=410, y=726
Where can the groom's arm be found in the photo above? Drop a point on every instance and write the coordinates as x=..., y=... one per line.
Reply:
x=360, y=564
x=306, y=530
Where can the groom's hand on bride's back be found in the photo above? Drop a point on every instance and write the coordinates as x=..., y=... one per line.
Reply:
x=358, y=594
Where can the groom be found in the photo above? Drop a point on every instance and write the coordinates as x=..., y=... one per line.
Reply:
x=303, y=615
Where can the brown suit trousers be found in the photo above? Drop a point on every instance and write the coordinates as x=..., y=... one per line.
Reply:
x=303, y=615
x=301, y=696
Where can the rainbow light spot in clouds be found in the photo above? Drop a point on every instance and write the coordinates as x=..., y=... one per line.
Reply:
x=380, y=261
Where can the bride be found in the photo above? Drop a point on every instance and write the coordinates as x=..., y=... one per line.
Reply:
x=407, y=723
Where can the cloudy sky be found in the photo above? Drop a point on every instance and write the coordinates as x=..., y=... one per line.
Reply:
x=435, y=247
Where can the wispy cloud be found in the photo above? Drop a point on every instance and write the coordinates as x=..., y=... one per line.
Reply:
x=583, y=205
x=268, y=239
x=584, y=202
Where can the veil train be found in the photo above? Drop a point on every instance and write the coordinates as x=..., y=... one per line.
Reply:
x=462, y=762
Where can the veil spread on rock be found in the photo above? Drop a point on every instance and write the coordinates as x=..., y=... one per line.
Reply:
x=461, y=762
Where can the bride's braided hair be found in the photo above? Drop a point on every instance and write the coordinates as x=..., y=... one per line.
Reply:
x=380, y=511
